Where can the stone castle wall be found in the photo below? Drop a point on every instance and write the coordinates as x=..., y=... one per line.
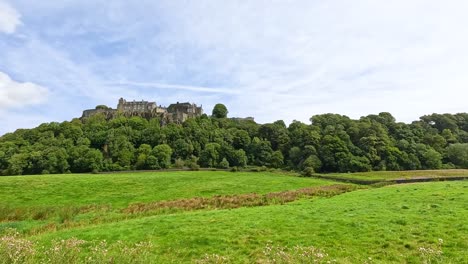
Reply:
x=176, y=113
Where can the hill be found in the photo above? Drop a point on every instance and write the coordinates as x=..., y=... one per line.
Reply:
x=331, y=143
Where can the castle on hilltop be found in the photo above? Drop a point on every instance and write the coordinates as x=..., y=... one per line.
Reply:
x=177, y=113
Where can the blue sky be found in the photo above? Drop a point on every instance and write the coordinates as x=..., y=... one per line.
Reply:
x=271, y=59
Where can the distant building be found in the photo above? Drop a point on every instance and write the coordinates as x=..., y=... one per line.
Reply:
x=136, y=106
x=182, y=111
x=177, y=113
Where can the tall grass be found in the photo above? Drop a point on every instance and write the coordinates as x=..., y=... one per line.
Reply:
x=15, y=249
x=236, y=201
x=61, y=213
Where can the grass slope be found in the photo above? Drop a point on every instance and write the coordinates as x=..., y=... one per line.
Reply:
x=122, y=189
x=37, y=204
x=387, y=224
x=396, y=175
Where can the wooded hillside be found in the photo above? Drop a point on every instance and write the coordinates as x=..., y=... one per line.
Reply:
x=331, y=143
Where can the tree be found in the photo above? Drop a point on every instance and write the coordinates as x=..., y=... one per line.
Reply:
x=85, y=159
x=332, y=143
x=182, y=149
x=276, y=134
x=334, y=154
x=163, y=155
x=312, y=162
x=429, y=158
x=239, y=158
x=260, y=152
x=121, y=150
x=241, y=139
x=276, y=159
x=295, y=157
x=458, y=155
x=220, y=111
x=210, y=155
x=17, y=164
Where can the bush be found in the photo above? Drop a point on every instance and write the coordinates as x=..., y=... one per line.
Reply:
x=308, y=171
x=194, y=167
x=234, y=169
x=224, y=164
x=448, y=166
x=179, y=163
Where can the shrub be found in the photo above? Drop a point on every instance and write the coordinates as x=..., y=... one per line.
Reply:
x=194, y=167
x=224, y=164
x=179, y=163
x=308, y=171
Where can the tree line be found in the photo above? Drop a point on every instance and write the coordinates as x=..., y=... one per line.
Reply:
x=330, y=143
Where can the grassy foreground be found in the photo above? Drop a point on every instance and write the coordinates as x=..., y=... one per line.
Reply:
x=35, y=204
x=389, y=224
x=400, y=175
x=122, y=189
x=411, y=223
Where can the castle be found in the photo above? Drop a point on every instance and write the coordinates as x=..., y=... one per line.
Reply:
x=177, y=113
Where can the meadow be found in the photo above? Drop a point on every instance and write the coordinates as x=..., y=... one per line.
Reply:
x=215, y=217
x=400, y=175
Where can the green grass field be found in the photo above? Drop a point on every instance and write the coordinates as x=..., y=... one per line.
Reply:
x=408, y=223
x=121, y=189
x=397, y=175
x=34, y=203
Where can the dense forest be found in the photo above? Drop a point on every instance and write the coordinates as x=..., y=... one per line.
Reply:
x=331, y=143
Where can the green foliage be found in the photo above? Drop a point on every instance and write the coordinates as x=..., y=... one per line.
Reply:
x=220, y=111
x=458, y=155
x=239, y=158
x=276, y=159
x=224, y=164
x=163, y=155
x=332, y=143
x=312, y=162
x=210, y=155
x=179, y=163
x=308, y=171
x=260, y=151
x=103, y=107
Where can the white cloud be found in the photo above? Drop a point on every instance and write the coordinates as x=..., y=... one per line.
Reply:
x=294, y=59
x=19, y=95
x=281, y=59
x=9, y=18
x=177, y=87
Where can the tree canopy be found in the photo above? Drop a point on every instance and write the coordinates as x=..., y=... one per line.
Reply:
x=220, y=111
x=331, y=143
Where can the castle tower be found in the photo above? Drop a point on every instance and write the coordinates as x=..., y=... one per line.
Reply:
x=121, y=104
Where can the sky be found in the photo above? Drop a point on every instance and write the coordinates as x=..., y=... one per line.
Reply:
x=270, y=59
